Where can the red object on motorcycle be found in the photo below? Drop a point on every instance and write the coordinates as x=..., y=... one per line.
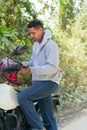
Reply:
x=11, y=78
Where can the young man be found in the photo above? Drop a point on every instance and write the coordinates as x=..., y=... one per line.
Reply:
x=43, y=66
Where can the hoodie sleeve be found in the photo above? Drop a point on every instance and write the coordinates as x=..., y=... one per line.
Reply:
x=52, y=56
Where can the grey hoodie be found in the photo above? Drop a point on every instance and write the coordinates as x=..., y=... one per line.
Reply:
x=44, y=61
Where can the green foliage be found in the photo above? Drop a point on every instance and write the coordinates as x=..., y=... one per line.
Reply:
x=13, y=22
x=66, y=14
x=15, y=15
x=73, y=53
x=7, y=37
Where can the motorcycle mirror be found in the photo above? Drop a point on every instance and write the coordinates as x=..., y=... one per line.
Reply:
x=20, y=49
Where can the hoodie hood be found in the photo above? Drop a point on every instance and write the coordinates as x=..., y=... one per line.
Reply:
x=46, y=37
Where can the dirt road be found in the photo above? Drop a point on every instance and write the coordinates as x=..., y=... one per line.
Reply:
x=79, y=123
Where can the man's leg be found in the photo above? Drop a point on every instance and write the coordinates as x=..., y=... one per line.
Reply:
x=46, y=107
x=36, y=91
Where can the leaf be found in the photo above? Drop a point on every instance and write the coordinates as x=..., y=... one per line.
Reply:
x=5, y=40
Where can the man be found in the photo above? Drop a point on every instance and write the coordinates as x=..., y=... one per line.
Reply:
x=43, y=66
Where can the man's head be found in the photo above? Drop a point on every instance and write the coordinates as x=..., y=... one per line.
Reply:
x=36, y=31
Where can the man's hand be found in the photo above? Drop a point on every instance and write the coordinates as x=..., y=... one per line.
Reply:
x=24, y=71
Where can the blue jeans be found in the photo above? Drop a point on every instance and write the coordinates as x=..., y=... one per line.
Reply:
x=40, y=91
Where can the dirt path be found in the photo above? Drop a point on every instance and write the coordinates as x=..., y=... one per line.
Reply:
x=77, y=122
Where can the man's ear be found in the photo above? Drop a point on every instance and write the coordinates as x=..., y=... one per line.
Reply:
x=41, y=29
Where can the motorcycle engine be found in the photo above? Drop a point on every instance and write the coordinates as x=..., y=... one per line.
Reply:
x=10, y=121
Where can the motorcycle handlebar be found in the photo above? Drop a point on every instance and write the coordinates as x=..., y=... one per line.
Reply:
x=13, y=68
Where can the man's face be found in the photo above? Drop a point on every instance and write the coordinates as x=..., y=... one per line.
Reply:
x=36, y=34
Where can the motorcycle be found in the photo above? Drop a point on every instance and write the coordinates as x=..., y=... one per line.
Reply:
x=11, y=116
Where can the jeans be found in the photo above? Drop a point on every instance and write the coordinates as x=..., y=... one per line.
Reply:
x=40, y=91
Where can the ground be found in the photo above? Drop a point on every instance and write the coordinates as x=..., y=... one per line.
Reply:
x=77, y=121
